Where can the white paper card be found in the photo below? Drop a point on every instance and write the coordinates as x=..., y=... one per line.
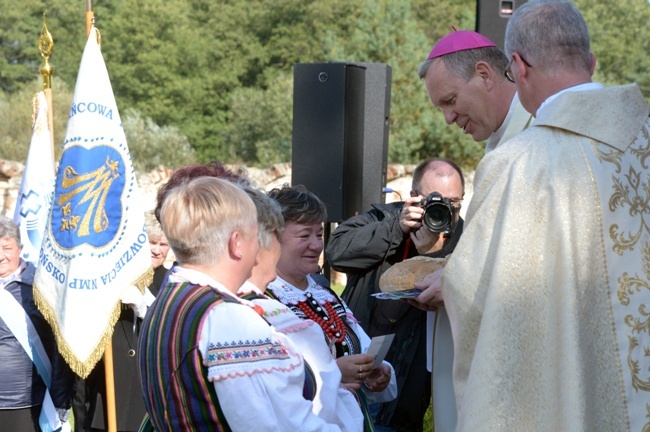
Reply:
x=378, y=348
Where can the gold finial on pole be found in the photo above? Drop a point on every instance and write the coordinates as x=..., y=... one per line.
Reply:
x=90, y=16
x=45, y=46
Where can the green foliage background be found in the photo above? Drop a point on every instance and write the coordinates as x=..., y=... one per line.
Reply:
x=197, y=80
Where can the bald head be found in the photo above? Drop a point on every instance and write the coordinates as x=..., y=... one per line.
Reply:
x=435, y=168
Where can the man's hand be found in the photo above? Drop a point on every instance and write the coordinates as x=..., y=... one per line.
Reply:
x=410, y=218
x=432, y=296
x=426, y=241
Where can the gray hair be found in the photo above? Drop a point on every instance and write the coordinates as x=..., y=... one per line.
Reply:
x=9, y=229
x=463, y=63
x=269, y=216
x=549, y=34
x=154, y=230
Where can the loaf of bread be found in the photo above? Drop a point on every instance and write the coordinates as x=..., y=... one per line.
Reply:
x=403, y=275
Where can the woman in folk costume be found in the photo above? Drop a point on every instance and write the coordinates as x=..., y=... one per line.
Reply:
x=333, y=402
x=309, y=296
x=36, y=384
x=208, y=360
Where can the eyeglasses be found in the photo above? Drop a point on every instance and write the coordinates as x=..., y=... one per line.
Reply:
x=455, y=202
x=508, y=73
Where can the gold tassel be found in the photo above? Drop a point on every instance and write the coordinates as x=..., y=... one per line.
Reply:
x=83, y=369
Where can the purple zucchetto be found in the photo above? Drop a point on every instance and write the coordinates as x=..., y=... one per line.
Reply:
x=460, y=40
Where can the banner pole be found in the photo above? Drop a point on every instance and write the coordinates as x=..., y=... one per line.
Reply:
x=45, y=46
x=111, y=415
x=90, y=16
x=110, y=387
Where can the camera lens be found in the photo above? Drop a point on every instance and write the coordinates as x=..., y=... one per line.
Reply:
x=437, y=217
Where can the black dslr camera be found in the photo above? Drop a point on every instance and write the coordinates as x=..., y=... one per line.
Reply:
x=439, y=214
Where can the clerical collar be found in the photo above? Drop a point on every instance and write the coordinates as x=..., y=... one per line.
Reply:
x=494, y=139
x=576, y=88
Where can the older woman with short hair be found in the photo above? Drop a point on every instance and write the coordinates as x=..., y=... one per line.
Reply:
x=209, y=361
x=24, y=395
x=159, y=250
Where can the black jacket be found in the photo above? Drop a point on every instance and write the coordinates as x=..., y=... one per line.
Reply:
x=364, y=247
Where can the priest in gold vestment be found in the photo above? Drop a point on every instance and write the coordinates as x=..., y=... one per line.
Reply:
x=548, y=290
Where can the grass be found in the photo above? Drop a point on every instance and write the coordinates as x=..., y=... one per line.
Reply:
x=428, y=420
x=338, y=289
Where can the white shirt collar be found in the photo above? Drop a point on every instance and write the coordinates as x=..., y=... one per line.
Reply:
x=182, y=274
x=249, y=287
x=576, y=88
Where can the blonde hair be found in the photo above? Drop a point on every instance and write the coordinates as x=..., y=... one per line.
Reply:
x=199, y=217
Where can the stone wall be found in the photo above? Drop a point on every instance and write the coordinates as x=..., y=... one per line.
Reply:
x=399, y=179
x=398, y=176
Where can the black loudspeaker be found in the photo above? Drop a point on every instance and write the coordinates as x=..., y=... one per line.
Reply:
x=375, y=137
x=340, y=134
x=492, y=17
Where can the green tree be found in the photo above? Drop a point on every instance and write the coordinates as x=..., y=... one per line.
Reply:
x=182, y=61
x=151, y=145
x=620, y=38
x=195, y=64
x=387, y=32
x=20, y=28
x=16, y=111
x=19, y=31
x=436, y=18
x=260, y=122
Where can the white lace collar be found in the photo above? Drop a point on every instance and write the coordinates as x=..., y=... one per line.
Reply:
x=290, y=295
x=249, y=287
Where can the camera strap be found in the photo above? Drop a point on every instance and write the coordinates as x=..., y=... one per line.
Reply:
x=407, y=247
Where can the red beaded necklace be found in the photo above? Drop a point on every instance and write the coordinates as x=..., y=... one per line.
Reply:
x=334, y=328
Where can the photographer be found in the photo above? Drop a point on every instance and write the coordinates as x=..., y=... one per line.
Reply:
x=367, y=245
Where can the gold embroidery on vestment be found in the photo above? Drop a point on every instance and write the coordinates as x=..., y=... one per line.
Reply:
x=631, y=195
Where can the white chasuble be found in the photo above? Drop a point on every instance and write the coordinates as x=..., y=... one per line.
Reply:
x=548, y=290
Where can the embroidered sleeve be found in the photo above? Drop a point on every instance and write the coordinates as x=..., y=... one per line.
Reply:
x=236, y=341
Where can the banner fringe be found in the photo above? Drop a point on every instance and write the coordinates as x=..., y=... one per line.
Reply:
x=84, y=368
